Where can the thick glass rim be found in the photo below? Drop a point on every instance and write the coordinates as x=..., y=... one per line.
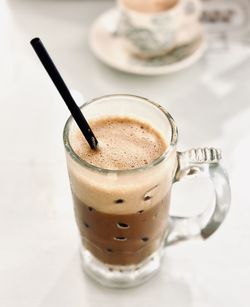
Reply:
x=163, y=157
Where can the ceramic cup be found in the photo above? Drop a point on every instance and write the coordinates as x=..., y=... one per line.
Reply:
x=150, y=34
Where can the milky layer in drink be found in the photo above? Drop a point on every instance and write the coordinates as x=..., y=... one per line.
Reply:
x=124, y=144
x=149, y=6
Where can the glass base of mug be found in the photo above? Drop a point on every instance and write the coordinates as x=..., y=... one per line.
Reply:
x=118, y=276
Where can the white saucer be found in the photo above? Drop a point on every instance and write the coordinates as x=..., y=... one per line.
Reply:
x=109, y=48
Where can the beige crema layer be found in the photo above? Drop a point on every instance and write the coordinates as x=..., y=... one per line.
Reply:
x=120, y=193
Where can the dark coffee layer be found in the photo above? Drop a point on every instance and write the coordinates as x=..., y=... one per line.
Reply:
x=122, y=239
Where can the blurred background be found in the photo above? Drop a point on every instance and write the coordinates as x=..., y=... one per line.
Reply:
x=210, y=101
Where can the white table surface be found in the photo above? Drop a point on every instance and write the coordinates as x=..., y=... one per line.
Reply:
x=39, y=257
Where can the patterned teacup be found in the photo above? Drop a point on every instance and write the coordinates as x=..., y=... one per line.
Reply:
x=149, y=34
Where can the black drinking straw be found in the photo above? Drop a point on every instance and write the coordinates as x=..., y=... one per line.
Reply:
x=64, y=91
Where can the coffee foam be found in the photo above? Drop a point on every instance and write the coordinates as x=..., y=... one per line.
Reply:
x=121, y=193
x=150, y=6
x=124, y=143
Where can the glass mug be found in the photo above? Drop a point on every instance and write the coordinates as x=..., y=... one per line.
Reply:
x=122, y=215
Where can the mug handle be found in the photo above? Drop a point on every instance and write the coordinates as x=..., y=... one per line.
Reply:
x=205, y=162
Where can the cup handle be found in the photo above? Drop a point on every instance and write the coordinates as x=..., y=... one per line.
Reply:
x=191, y=9
x=190, y=27
x=205, y=162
